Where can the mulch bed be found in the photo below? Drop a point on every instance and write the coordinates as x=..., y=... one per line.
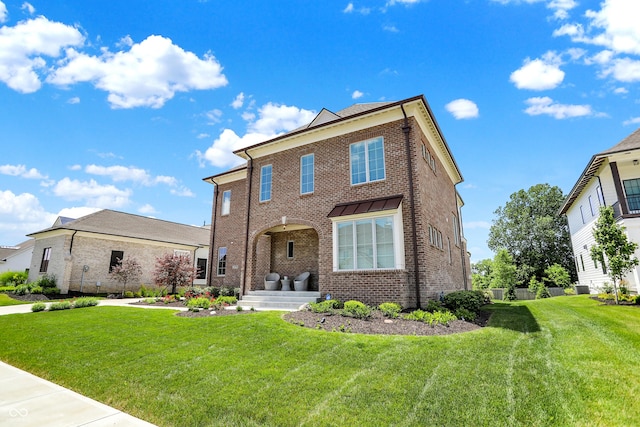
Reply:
x=29, y=297
x=613, y=302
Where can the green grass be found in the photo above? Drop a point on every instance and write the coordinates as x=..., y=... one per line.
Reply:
x=7, y=300
x=560, y=361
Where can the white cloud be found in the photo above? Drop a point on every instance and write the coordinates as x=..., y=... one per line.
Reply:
x=129, y=173
x=539, y=74
x=21, y=214
x=75, y=167
x=23, y=46
x=28, y=7
x=477, y=224
x=463, y=109
x=3, y=13
x=77, y=212
x=560, y=8
x=623, y=70
x=620, y=91
x=357, y=94
x=21, y=171
x=349, y=8
x=147, y=209
x=213, y=116
x=632, y=121
x=390, y=28
x=94, y=194
x=182, y=192
x=546, y=106
x=147, y=75
x=238, y=101
x=202, y=135
x=273, y=119
x=74, y=100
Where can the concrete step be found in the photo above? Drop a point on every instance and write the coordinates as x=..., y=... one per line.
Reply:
x=278, y=300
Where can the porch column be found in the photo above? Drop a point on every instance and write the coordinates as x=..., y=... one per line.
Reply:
x=618, y=185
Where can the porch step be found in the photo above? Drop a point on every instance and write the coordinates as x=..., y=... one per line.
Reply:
x=278, y=300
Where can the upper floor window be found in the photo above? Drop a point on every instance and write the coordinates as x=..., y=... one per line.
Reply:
x=265, y=183
x=367, y=161
x=46, y=256
x=632, y=190
x=456, y=231
x=306, y=174
x=426, y=155
x=226, y=202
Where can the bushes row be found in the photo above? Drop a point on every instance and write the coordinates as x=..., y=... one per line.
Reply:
x=44, y=285
x=66, y=305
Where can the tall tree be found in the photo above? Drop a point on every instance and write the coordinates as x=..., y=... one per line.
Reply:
x=482, y=274
x=174, y=270
x=613, y=249
x=504, y=274
x=530, y=229
x=126, y=271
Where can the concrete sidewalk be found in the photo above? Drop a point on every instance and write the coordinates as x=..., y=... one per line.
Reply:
x=124, y=302
x=26, y=400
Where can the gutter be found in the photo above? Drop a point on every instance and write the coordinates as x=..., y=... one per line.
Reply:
x=213, y=232
x=406, y=129
x=248, y=212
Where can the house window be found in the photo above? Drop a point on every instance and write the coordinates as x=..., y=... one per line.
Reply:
x=600, y=195
x=306, y=174
x=435, y=237
x=290, y=249
x=222, y=261
x=632, y=190
x=367, y=161
x=226, y=202
x=116, y=259
x=366, y=244
x=456, y=231
x=593, y=212
x=202, y=268
x=449, y=249
x=582, y=262
x=265, y=183
x=426, y=155
x=46, y=256
x=582, y=214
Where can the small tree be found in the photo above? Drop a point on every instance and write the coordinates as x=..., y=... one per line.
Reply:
x=613, y=249
x=126, y=271
x=557, y=275
x=504, y=274
x=174, y=270
x=481, y=274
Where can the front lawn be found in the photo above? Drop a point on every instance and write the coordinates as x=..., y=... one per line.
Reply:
x=560, y=361
x=7, y=300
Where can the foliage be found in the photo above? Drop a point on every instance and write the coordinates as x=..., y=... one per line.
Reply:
x=10, y=288
x=51, y=291
x=201, y=302
x=47, y=281
x=227, y=299
x=468, y=300
x=85, y=302
x=22, y=289
x=36, y=289
x=173, y=270
x=128, y=294
x=6, y=300
x=390, y=309
x=356, y=309
x=557, y=275
x=482, y=274
x=504, y=274
x=538, y=288
x=529, y=228
x=126, y=271
x=325, y=306
x=613, y=249
x=464, y=314
x=229, y=291
x=60, y=305
x=39, y=306
x=436, y=318
x=13, y=278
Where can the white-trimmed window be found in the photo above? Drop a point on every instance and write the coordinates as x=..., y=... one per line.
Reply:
x=307, y=174
x=368, y=242
x=46, y=257
x=222, y=261
x=265, y=183
x=367, y=161
x=456, y=231
x=226, y=203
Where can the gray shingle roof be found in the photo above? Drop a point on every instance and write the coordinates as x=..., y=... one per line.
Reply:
x=632, y=142
x=116, y=223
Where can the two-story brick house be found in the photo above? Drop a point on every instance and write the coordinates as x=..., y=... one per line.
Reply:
x=364, y=199
x=612, y=178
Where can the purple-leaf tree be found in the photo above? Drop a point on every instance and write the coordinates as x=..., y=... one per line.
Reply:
x=174, y=270
x=126, y=271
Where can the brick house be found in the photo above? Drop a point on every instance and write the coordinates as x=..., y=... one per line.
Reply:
x=93, y=243
x=611, y=178
x=364, y=199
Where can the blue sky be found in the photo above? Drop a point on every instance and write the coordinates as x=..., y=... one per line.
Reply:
x=128, y=105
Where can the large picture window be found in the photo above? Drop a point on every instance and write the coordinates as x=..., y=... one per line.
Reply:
x=265, y=183
x=307, y=174
x=367, y=161
x=366, y=244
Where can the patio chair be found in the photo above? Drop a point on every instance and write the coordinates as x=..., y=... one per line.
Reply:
x=272, y=282
x=301, y=283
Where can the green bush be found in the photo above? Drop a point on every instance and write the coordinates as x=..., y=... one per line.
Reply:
x=200, y=302
x=433, y=305
x=227, y=299
x=50, y=291
x=390, y=309
x=469, y=300
x=128, y=294
x=39, y=306
x=47, y=281
x=13, y=278
x=10, y=288
x=356, y=309
x=36, y=289
x=437, y=317
x=326, y=306
x=229, y=291
x=62, y=305
x=85, y=302
x=22, y=290
x=464, y=314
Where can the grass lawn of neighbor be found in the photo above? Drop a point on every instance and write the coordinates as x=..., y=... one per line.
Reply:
x=559, y=361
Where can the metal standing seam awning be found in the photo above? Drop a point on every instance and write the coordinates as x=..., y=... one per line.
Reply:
x=366, y=206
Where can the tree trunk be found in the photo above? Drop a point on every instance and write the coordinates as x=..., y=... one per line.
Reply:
x=615, y=291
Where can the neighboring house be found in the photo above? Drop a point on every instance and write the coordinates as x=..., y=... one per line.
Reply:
x=80, y=253
x=364, y=199
x=612, y=178
x=16, y=258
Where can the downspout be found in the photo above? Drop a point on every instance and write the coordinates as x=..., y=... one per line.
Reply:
x=412, y=206
x=248, y=212
x=213, y=233
x=71, y=243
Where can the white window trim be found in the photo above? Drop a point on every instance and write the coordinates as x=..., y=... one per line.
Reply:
x=313, y=171
x=218, y=262
x=270, y=184
x=181, y=252
x=225, y=209
x=368, y=179
x=398, y=238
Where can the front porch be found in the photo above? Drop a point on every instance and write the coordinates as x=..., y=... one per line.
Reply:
x=277, y=300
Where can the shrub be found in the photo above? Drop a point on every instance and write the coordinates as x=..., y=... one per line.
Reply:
x=10, y=288
x=433, y=305
x=227, y=299
x=201, y=302
x=39, y=306
x=50, y=291
x=464, y=314
x=22, y=290
x=437, y=317
x=538, y=288
x=390, y=309
x=607, y=288
x=469, y=300
x=356, y=309
x=62, y=305
x=326, y=306
x=569, y=291
x=239, y=308
x=228, y=291
x=128, y=294
x=47, y=281
x=85, y=302
x=36, y=289
x=13, y=278
x=636, y=299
